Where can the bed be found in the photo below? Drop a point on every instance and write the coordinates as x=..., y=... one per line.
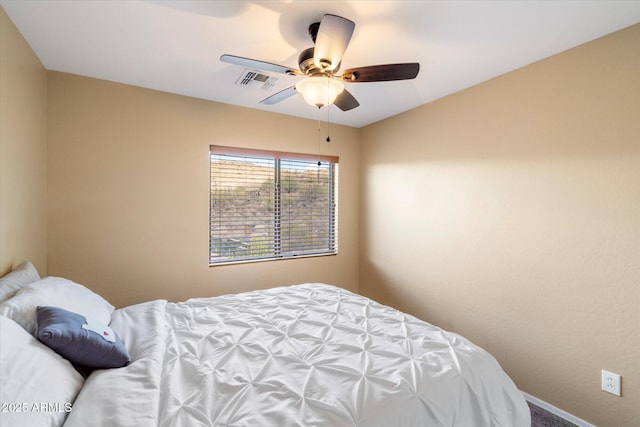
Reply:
x=303, y=355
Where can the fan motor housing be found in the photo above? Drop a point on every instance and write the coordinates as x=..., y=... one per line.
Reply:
x=309, y=68
x=305, y=61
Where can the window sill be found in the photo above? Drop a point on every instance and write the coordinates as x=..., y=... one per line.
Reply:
x=251, y=261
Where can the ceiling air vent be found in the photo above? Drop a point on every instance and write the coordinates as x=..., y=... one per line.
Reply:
x=252, y=78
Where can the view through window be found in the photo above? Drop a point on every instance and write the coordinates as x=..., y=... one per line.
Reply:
x=268, y=205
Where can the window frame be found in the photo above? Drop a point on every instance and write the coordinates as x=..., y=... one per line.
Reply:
x=278, y=157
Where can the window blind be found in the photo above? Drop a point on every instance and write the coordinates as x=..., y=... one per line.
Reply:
x=267, y=205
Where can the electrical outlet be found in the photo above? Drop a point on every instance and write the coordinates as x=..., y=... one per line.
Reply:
x=611, y=382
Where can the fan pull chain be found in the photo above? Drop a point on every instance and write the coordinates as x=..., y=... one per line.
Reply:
x=328, y=126
x=319, y=136
x=319, y=163
x=328, y=121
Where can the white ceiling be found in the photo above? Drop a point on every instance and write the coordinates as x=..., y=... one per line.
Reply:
x=175, y=46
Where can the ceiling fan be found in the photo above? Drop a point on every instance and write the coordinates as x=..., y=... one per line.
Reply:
x=323, y=84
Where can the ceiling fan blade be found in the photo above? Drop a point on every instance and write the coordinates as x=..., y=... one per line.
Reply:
x=279, y=96
x=345, y=101
x=260, y=65
x=332, y=40
x=382, y=73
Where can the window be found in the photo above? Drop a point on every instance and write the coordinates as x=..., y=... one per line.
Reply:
x=269, y=205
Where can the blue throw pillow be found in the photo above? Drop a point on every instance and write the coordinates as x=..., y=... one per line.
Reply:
x=83, y=343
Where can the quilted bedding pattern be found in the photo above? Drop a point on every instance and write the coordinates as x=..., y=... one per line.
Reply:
x=305, y=355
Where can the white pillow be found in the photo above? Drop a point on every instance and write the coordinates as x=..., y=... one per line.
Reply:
x=57, y=292
x=12, y=282
x=33, y=375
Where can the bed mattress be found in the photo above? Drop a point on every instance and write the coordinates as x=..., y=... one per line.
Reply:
x=305, y=355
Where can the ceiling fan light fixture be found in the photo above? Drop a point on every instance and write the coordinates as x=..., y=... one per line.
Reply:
x=321, y=84
x=319, y=90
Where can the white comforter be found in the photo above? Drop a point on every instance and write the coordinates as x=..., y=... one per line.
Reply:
x=306, y=355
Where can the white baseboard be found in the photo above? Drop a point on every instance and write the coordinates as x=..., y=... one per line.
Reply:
x=556, y=411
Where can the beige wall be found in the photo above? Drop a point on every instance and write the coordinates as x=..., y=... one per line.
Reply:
x=129, y=191
x=23, y=152
x=510, y=213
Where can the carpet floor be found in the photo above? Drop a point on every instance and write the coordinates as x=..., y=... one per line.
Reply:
x=543, y=418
